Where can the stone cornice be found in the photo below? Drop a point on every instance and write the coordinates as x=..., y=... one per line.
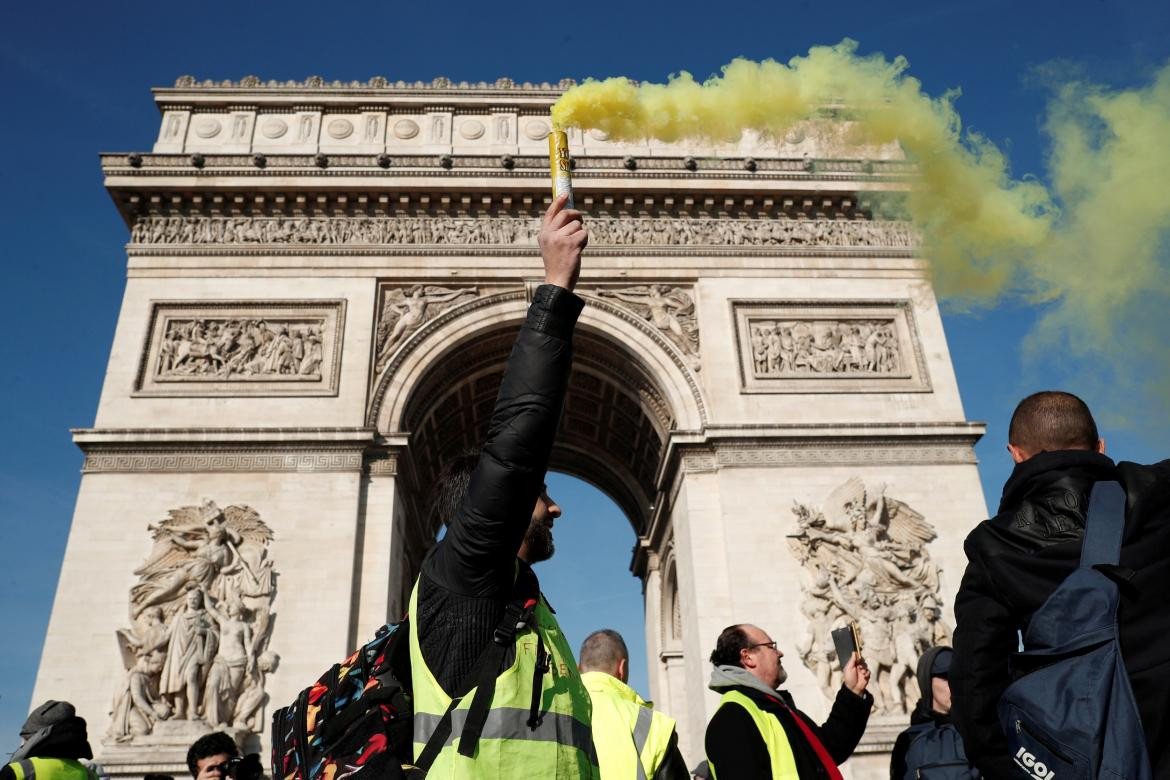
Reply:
x=378, y=85
x=802, y=444
x=508, y=166
x=830, y=434
x=200, y=450
x=117, y=460
x=87, y=438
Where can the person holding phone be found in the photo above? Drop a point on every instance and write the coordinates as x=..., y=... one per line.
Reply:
x=757, y=731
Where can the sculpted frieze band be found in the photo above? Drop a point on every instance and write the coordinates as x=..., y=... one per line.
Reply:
x=518, y=231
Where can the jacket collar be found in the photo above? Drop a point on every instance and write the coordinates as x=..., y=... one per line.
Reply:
x=724, y=677
x=1048, y=466
x=600, y=682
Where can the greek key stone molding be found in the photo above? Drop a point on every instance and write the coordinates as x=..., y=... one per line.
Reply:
x=828, y=346
x=116, y=461
x=308, y=232
x=216, y=348
x=699, y=460
x=382, y=465
x=829, y=454
x=846, y=451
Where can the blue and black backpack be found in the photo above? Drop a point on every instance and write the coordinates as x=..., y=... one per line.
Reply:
x=1071, y=713
x=935, y=752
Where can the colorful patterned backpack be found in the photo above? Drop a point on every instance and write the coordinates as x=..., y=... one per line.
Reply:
x=356, y=718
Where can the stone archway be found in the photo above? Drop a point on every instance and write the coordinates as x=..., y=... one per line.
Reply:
x=622, y=407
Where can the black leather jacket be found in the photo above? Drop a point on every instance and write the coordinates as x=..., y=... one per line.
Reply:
x=467, y=578
x=1017, y=558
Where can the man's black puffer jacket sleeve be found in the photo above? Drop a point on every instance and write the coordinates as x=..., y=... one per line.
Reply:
x=478, y=555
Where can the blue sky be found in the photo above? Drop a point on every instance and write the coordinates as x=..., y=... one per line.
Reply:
x=77, y=79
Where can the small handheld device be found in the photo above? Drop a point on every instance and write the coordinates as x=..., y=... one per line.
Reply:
x=846, y=641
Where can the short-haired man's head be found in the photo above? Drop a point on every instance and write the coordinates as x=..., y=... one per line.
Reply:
x=214, y=744
x=451, y=486
x=604, y=651
x=1052, y=420
x=731, y=641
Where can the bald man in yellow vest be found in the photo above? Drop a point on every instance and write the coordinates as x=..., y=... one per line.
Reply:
x=633, y=742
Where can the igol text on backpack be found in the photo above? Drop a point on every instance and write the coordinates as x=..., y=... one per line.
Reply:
x=1071, y=713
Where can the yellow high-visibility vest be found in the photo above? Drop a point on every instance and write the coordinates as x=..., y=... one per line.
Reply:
x=49, y=769
x=779, y=751
x=561, y=745
x=630, y=737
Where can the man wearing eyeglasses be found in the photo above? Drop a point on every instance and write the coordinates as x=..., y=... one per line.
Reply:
x=757, y=732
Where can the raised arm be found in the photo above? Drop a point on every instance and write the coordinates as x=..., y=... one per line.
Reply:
x=477, y=555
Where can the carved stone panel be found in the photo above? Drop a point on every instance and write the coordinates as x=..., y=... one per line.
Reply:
x=242, y=348
x=827, y=347
x=671, y=310
x=403, y=310
x=864, y=560
x=196, y=654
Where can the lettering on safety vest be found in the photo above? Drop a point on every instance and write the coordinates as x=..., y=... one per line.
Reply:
x=1037, y=769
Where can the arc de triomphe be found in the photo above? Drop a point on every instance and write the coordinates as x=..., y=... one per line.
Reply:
x=323, y=284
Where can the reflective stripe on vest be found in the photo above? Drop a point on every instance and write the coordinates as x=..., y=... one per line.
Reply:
x=779, y=751
x=49, y=769
x=641, y=735
x=512, y=723
x=560, y=747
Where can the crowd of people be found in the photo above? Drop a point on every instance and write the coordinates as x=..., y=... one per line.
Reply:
x=527, y=707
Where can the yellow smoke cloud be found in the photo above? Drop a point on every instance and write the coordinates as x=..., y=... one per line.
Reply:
x=1106, y=264
x=972, y=214
x=1091, y=247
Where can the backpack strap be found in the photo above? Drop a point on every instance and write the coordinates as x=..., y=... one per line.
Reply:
x=482, y=676
x=1104, y=525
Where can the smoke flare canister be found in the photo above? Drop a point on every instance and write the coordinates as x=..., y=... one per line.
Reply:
x=558, y=158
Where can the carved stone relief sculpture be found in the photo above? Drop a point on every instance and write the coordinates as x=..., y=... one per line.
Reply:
x=242, y=348
x=406, y=309
x=511, y=231
x=196, y=654
x=671, y=310
x=864, y=559
x=802, y=347
x=828, y=346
